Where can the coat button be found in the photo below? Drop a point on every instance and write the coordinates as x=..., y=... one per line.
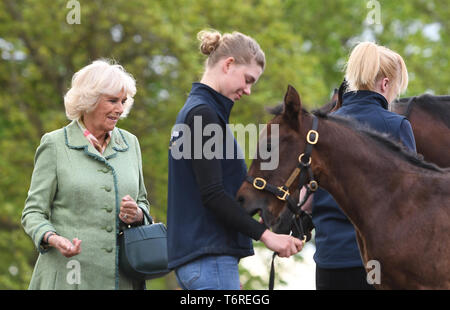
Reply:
x=109, y=209
x=107, y=188
x=108, y=249
x=109, y=229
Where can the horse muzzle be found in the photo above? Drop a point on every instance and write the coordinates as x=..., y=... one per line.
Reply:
x=254, y=204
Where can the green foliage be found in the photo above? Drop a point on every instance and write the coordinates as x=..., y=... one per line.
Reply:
x=306, y=43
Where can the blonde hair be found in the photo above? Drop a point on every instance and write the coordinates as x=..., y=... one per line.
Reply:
x=369, y=62
x=102, y=77
x=242, y=48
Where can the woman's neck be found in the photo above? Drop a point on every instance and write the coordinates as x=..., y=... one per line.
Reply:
x=208, y=79
x=98, y=134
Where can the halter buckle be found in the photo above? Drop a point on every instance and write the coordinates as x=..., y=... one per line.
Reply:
x=261, y=187
x=300, y=160
x=285, y=193
x=312, y=140
x=313, y=185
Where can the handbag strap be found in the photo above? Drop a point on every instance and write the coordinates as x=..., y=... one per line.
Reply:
x=149, y=218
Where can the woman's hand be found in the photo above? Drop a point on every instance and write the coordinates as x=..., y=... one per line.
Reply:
x=284, y=245
x=129, y=211
x=64, y=246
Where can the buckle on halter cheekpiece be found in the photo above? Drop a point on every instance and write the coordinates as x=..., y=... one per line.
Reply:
x=314, y=139
x=260, y=187
x=285, y=192
x=313, y=185
x=300, y=160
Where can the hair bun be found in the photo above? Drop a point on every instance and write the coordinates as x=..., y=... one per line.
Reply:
x=210, y=40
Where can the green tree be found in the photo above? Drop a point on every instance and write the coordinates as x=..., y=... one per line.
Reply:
x=417, y=29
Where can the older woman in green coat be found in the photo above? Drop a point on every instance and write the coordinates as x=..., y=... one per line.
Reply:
x=87, y=184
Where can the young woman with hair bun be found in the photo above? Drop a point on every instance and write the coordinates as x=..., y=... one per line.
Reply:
x=375, y=76
x=208, y=231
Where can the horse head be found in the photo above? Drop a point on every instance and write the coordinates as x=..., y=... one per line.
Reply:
x=267, y=192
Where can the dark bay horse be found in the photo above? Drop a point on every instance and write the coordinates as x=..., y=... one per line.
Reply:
x=429, y=116
x=430, y=120
x=399, y=204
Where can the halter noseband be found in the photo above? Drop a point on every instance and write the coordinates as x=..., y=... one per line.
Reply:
x=304, y=172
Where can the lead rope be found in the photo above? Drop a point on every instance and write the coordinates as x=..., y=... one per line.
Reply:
x=296, y=219
x=272, y=272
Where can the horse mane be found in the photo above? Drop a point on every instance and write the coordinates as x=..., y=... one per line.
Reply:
x=383, y=140
x=278, y=110
x=437, y=106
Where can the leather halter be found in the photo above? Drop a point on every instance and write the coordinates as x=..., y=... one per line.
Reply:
x=303, y=171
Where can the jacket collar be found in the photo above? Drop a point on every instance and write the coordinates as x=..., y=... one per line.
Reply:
x=76, y=140
x=365, y=96
x=220, y=103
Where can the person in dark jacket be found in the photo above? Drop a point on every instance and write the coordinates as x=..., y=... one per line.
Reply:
x=376, y=76
x=208, y=231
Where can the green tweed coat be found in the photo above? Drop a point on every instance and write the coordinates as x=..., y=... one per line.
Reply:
x=76, y=192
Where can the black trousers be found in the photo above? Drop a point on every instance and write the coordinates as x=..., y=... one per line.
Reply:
x=342, y=279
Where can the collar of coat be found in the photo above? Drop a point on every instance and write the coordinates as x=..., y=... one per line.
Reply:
x=76, y=140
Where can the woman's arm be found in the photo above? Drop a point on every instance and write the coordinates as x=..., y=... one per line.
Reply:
x=142, y=201
x=134, y=210
x=37, y=210
x=208, y=173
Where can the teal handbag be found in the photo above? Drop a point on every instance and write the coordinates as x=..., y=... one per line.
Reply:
x=143, y=251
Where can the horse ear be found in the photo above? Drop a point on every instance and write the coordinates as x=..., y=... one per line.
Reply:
x=292, y=103
x=341, y=92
